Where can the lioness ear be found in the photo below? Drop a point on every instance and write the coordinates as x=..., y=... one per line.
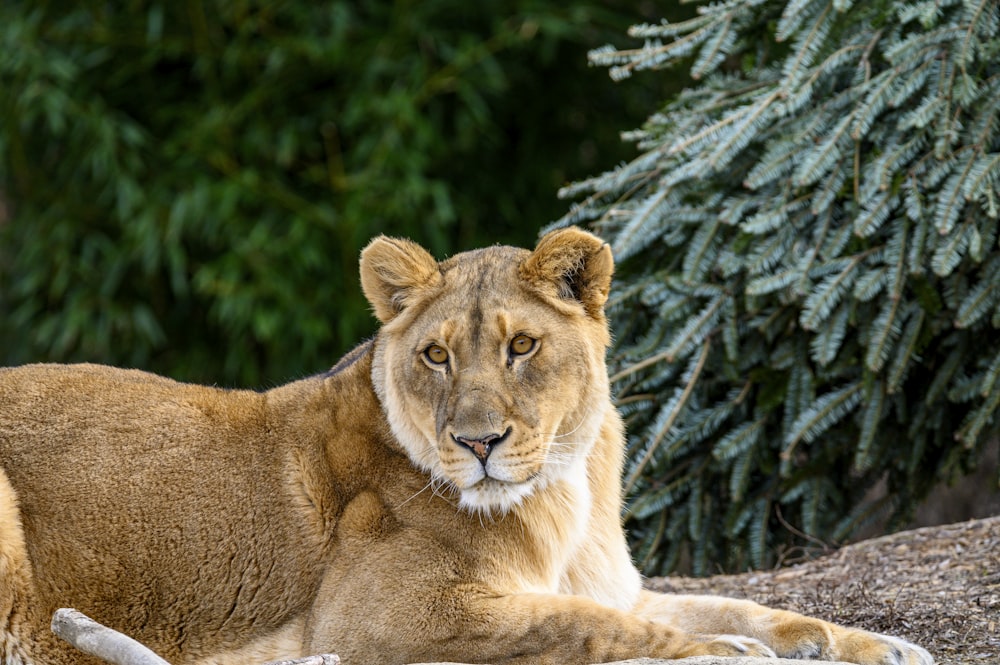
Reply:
x=393, y=273
x=573, y=265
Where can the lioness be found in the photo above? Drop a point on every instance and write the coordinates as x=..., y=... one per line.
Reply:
x=450, y=490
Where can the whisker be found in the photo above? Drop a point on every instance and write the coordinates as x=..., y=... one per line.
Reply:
x=439, y=485
x=571, y=449
x=583, y=419
x=431, y=484
x=421, y=491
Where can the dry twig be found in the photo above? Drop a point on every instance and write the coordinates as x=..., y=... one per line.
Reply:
x=98, y=640
x=117, y=648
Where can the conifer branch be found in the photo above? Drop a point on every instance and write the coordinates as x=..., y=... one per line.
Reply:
x=668, y=423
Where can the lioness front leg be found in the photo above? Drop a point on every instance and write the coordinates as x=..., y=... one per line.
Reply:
x=543, y=628
x=519, y=629
x=791, y=635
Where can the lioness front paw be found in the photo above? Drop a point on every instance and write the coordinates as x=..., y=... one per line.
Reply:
x=808, y=638
x=727, y=645
x=859, y=646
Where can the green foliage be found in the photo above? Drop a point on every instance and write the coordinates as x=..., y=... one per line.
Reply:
x=809, y=290
x=188, y=184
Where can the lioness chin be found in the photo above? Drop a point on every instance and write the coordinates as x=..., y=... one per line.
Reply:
x=450, y=490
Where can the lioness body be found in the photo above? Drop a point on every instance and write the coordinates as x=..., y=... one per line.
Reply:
x=449, y=491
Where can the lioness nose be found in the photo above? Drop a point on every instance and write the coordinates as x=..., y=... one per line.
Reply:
x=481, y=447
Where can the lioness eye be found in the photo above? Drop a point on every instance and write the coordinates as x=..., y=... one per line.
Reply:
x=521, y=345
x=436, y=354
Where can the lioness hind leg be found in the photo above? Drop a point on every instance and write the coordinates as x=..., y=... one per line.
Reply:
x=15, y=577
x=25, y=638
x=791, y=635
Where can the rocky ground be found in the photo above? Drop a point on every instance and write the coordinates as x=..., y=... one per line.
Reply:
x=936, y=586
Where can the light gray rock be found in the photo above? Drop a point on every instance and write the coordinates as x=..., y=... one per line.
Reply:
x=699, y=660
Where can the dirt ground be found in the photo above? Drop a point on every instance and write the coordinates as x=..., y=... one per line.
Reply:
x=936, y=586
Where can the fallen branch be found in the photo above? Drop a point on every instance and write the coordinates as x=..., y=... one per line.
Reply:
x=117, y=648
x=98, y=640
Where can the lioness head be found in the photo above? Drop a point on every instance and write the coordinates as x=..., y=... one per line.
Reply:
x=490, y=365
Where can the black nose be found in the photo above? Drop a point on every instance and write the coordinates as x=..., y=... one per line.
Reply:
x=482, y=446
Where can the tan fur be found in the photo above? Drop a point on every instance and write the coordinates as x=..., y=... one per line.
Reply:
x=357, y=511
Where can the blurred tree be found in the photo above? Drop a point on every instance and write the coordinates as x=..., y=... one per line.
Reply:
x=189, y=183
x=809, y=293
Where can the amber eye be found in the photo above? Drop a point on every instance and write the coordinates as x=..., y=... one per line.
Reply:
x=436, y=355
x=521, y=345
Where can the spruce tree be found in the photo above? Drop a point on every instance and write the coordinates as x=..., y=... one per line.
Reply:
x=808, y=299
